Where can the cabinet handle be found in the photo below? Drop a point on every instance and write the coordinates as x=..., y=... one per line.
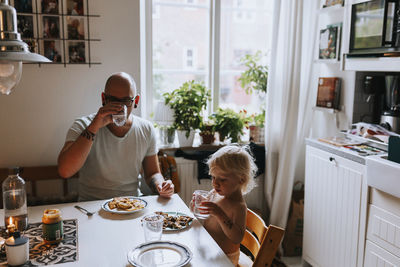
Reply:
x=331, y=159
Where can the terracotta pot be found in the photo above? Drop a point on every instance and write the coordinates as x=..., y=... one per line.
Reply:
x=207, y=138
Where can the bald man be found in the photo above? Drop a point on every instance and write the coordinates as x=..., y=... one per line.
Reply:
x=109, y=157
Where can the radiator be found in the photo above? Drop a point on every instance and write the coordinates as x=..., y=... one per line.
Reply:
x=187, y=171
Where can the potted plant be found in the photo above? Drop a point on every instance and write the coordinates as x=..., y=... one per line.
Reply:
x=255, y=77
x=207, y=133
x=230, y=124
x=188, y=103
x=167, y=133
x=257, y=130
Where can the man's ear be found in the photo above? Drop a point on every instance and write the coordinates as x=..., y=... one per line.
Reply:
x=137, y=98
x=103, y=99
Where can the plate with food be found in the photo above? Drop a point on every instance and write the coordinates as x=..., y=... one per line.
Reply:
x=124, y=205
x=175, y=221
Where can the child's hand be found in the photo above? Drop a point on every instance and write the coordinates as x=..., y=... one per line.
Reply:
x=212, y=209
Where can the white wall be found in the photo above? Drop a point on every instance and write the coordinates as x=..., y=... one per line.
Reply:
x=35, y=117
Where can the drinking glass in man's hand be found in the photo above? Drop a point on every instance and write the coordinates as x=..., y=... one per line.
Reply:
x=120, y=118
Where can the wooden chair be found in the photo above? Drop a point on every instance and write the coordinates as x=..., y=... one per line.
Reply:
x=262, y=241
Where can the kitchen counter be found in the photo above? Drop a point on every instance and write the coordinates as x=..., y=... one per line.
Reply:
x=340, y=151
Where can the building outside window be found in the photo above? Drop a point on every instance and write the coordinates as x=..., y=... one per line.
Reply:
x=183, y=47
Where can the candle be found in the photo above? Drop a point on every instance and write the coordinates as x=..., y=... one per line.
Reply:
x=11, y=226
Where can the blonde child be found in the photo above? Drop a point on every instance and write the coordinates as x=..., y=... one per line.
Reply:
x=232, y=169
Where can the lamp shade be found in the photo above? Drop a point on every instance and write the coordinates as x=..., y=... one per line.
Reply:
x=13, y=51
x=163, y=115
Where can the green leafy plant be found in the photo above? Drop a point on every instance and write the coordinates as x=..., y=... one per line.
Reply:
x=255, y=77
x=188, y=103
x=230, y=124
x=259, y=118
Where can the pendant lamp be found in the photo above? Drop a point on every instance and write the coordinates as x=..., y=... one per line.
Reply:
x=13, y=51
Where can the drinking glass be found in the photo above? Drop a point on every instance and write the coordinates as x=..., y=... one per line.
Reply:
x=152, y=226
x=120, y=118
x=201, y=196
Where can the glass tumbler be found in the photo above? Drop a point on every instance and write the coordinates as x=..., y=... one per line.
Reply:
x=152, y=226
x=201, y=196
x=120, y=118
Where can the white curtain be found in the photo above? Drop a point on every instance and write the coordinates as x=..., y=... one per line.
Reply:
x=288, y=101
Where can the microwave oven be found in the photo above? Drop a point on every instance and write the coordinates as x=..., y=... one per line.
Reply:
x=375, y=28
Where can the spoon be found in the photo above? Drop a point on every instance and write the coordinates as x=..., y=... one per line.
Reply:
x=88, y=213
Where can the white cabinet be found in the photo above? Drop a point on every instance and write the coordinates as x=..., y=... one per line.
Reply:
x=383, y=231
x=335, y=210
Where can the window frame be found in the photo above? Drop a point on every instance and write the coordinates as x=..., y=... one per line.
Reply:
x=212, y=77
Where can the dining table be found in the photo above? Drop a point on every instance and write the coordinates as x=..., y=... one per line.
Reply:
x=105, y=238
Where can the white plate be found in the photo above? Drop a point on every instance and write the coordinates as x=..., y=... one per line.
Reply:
x=105, y=207
x=173, y=213
x=160, y=253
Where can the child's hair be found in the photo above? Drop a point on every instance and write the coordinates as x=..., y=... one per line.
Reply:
x=237, y=161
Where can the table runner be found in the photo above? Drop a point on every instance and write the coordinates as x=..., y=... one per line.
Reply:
x=41, y=253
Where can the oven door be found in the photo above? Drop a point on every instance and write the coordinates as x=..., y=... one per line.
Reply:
x=373, y=27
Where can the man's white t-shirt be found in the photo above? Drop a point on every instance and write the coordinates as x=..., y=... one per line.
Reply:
x=114, y=163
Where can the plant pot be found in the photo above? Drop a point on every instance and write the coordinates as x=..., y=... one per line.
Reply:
x=257, y=134
x=185, y=141
x=167, y=136
x=207, y=138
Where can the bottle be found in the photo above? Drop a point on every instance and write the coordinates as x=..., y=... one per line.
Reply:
x=14, y=201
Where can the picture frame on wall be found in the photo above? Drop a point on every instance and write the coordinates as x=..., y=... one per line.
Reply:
x=51, y=27
x=75, y=7
x=329, y=43
x=25, y=26
x=52, y=50
x=76, y=52
x=23, y=6
x=75, y=28
x=50, y=7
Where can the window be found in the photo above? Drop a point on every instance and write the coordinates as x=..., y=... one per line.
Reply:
x=184, y=49
x=242, y=13
x=189, y=58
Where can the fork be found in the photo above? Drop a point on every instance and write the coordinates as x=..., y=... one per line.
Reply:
x=88, y=213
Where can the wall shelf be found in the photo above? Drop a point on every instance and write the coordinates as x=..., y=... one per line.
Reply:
x=331, y=9
x=326, y=110
x=372, y=64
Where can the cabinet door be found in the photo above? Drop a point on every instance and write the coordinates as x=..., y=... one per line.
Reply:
x=333, y=187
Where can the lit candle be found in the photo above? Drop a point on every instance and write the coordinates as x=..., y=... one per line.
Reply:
x=11, y=227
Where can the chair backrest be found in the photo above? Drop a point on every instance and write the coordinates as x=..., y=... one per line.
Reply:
x=262, y=241
x=38, y=173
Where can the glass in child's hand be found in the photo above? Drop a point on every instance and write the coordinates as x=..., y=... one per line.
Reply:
x=201, y=196
x=120, y=118
x=152, y=227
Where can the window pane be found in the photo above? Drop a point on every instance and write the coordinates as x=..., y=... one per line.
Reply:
x=244, y=30
x=180, y=44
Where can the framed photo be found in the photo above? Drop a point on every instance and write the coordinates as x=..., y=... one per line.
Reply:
x=75, y=7
x=52, y=50
x=23, y=6
x=75, y=28
x=25, y=26
x=50, y=6
x=76, y=52
x=51, y=27
x=329, y=43
x=328, y=95
x=32, y=44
